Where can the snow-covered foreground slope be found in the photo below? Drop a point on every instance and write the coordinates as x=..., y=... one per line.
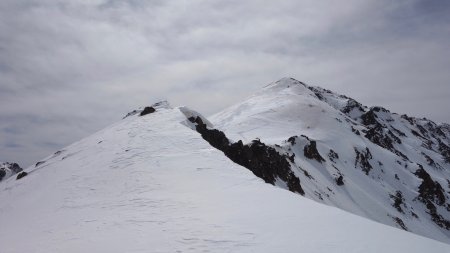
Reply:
x=151, y=184
x=390, y=168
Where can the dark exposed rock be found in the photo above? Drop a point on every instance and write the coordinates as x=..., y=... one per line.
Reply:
x=292, y=158
x=369, y=118
x=351, y=105
x=131, y=113
x=319, y=96
x=333, y=155
x=398, y=132
x=422, y=130
x=306, y=173
x=398, y=201
x=15, y=167
x=39, y=163
x=431, y=162
x=356, y=131
x=416, y=133
x=21, y=175
x=405, y=158
x=2, y=174
x=409, y=119
x=362, y=159
x=292, y=140
x=264, y=161
x=438, y=131
x=429, y=190
x=318, y=194
x=400, y=223
x=436, y=217
x=340, y=180
x=379, y=109
x=215, y=137
x=381, y=135
x=147, y=110
x=377, y=136
x=9, y=169
x=310, y=151
x=445, y=151
x=395, y=137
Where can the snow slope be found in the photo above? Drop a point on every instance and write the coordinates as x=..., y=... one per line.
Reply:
x=389, y=168
x=152, y=184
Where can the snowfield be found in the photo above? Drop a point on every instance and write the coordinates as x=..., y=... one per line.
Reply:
x=152, y=184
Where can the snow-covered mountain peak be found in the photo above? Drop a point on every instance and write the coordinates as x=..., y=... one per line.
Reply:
x=390, y=168
x=285, y=82
x=169, y=179
x=286, y=86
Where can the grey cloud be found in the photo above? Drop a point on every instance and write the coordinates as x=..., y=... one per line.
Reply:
x=69, y=68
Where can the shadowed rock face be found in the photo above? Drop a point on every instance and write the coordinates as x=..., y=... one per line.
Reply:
x=431, y=193
x=445, y=151
x=429, y=189
x=362, y=159
x=398, y=201
x=2, y=174
x=310, y=151
x=9, y=169
x=264, y=161
x=21, y=175
x=340, y=180
x=147, y=110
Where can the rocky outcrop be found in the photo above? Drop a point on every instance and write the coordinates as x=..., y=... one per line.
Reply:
x=21, y=175
x=340, y=180
x=9, y=169
x=310, y=151
x=147, y=110
x=431, y=193
x=362, y=160
x=398, y=201
x=429, y=190
x=263, y=160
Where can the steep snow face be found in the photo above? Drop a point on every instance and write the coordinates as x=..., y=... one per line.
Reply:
x=151, y=184
x=390, y=168
x=8, y=170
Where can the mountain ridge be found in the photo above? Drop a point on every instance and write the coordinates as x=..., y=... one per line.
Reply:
x=399, y=155
x=149, y=182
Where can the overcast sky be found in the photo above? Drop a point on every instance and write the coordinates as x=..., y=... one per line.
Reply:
x=70, y=68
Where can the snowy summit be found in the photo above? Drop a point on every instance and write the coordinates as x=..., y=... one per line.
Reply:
x=293, y=168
